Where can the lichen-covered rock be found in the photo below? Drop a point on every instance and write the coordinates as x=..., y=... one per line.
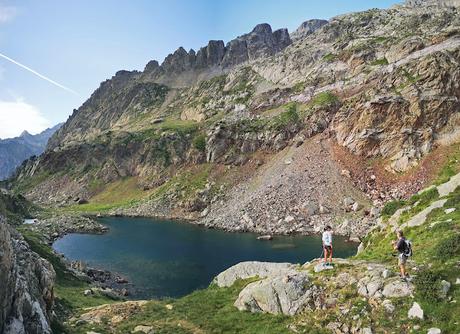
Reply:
x=281, y=294
x=397, y=288
x=244, y=270
x=26, y=294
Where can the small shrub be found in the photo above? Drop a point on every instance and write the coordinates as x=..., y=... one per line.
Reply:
x=330, y=57
x=391, y=207
x=381, y=61
x=289, y=117
x=199, y=142
x=428, y=284
x=448, y=247
x=425, y=197
x=299, y=87
x=324, y=99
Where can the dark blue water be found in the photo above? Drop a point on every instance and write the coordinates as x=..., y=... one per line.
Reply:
x=166, y=258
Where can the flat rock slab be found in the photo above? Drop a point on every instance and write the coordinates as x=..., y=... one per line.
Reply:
x=420, y=218
x=250, y=269
x=450, y=186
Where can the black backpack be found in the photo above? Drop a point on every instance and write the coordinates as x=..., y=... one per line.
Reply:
x=408, y=248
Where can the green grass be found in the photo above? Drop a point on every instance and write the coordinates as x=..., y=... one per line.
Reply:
x=450, y=168
x=185, y=183
x=330, y=57
x=205, y=311
x=22, y=185
x=381, y=61
x=323, y=99
x=199, y=142
x=391, y=207
x=436, y=247
x=299, y=87
x=122, y=193
x=285, y=119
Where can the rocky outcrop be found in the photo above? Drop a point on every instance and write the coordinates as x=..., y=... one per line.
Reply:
x=284, y=288
x=307, y=28
x=26, y=296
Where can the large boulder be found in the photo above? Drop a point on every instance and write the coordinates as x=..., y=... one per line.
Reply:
x=284, y=294
x=397, y=288
x=250, y=269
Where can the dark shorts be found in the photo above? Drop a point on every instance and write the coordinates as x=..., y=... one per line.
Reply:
x=328, y=248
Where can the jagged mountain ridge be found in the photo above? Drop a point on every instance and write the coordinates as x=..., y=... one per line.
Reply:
x=381, y=83
x=183, y=69
x=13, y=151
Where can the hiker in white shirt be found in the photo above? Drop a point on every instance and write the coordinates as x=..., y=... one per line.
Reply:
x=327, y=244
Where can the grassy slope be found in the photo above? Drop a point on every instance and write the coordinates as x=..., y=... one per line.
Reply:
x=204, y=311
x=436, y=246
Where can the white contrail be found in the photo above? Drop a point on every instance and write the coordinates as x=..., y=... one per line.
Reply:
x=38, y=74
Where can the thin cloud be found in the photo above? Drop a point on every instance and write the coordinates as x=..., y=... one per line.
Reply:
x=7, y=13
x=38, y=74
x=17, y=116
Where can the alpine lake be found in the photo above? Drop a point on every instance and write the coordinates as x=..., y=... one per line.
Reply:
x=163, y=258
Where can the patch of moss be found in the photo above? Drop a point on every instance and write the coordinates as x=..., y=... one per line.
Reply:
x=323, y=99
x=330, y=57
x=379, y=62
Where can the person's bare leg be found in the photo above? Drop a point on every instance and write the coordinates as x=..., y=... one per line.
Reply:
x=330, y=256
x=403, y=270
x=325, y=254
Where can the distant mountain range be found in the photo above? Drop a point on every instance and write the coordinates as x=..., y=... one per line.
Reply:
x=13, y=151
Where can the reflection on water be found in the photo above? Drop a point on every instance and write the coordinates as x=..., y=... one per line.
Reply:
x=166, y=258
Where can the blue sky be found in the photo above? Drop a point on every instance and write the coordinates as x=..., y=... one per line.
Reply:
x=80, y=43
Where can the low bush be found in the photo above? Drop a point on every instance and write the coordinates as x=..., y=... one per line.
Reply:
x=391, y=207
x=448, y=247
x=428, y=284
x=199, y=142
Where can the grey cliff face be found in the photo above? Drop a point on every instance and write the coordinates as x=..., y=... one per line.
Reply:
x=307, y=28
x=260, y=42
x=26, y=296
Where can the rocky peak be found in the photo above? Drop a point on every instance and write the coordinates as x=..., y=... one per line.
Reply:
x=25, y=133
x=260, y=42
x=307, y=28
x=210, y=55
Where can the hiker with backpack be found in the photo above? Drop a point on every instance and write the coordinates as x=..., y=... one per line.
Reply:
x=327, y=244
x=404, y=248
